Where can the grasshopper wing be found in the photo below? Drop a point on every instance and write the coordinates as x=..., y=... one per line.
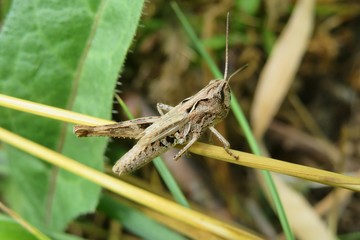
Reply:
x=126, y=129
x=167, y=125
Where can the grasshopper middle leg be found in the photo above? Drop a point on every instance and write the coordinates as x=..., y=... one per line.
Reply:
x=162, y=108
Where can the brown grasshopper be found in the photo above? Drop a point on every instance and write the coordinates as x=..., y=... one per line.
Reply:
x=179, y=125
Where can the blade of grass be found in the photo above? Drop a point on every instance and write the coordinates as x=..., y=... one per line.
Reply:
x=136, y=221
x=49, y=111
x=161, y=167
x=235, y=106
x=34, y=231
x=66, y=116
x=246, y=159
x=140, y=196
x=273, y=165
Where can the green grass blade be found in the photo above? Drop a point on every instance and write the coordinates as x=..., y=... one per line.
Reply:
x=239, y=115
x=170, y=182
x=161, y=167
x=198, y=45
x=135, y=221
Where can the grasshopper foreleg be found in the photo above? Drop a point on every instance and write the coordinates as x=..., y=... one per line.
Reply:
x=224, y=142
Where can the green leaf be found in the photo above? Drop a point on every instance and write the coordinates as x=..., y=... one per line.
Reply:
x=135, y=221
x=9, y=229
x=66, y=54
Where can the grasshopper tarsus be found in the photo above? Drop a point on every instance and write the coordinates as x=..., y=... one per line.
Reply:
x=228, y=151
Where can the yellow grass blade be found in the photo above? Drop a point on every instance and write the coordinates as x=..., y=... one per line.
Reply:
x=273, y=165
x=34, y=231
x=246, y=159
x=48, y=111
x=140, y=196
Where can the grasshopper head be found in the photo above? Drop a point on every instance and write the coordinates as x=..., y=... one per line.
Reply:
x=223, y=89
x=224, y=93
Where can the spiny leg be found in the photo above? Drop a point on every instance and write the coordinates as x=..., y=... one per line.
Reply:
x=224, y=142
x=187, y=146
x=161, y=107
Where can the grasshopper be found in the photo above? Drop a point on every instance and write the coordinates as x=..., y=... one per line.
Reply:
x=179, y=125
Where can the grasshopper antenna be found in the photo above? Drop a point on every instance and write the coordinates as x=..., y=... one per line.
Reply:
x=237, y=71
x=227, y=53
x=227, y=47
